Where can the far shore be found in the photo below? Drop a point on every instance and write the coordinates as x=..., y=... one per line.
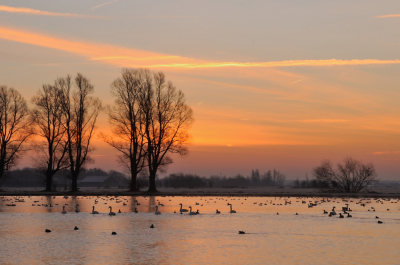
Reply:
x=375, y=192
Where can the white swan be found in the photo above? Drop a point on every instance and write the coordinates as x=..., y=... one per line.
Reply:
x=111, y=212
x=94, y=212
x=191, y=213
x=64, y=211
x=183, y=210
x=157, y=212
x=333, y=211
x=232, y=211
x=77, y=209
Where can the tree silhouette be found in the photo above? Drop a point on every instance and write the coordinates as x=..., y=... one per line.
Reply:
x=80, y=112
x=166, y=120
x=51, y=156
x=125, y=117
x=15, y=127
x=351, y=176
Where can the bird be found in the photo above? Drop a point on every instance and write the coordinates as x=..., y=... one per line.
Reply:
x=119, y=210
x=76, y=228
x=64, y=211
x=297, y=214
x=93, y=211
x=241, y=232
x=340, y=215
x=277, y=213
x=380, y=222
x=152, y=226
x=217, y=211
x=113, y=233
x=333, y=211
x=325, y=212
x=231, y=211
x=376, y=217
x=191, y=213
x=77, y=209
x=111, y=212
x=136, y=211
x=157, y=212
x=47, y=231
x=183, y=210
x=348, y=215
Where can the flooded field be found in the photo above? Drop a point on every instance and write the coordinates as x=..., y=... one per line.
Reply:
x=274, y=234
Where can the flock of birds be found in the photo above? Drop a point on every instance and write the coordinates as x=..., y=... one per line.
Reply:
x=346, y=209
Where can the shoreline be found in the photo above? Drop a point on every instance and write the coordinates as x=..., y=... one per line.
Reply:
x=391, y=192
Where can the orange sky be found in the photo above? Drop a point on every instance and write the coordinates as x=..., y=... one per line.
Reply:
x=285, y=104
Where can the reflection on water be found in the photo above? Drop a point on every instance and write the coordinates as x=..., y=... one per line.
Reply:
x=310, y=237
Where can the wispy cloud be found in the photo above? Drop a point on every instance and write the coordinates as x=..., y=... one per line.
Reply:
x=386, y=152
x=30, y=11
x=324, y=121
x=101, y=5
x=127, y=57
x=387, y=16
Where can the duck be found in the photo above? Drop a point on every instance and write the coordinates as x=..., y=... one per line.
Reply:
x=93, y=211
x=190, y=212
x=217, y=211
x=380, y=222
x=325, y=212
x=231, y=211
x=64, y=211
x=183, y=210
x=76, y=228
x=111, y=212
x=119, y=210
x=113, y=233
x=76, y=208
x=136, y=211
x=242, y=232
x=197, y=211
x=348, y=215
x=47, y=230
x=340, y=215
x=152, y=226
x=157, y=212
x=376, y=217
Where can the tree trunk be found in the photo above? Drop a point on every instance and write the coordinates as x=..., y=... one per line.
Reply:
x=152, y=183
x=49, y=180
x=74, y=183
x=133, y=181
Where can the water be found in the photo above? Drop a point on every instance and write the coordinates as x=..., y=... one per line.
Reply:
x=310, y=237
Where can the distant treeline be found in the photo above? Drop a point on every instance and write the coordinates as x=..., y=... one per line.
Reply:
x=180, y=180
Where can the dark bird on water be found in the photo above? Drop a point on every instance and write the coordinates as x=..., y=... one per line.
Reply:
x=152, y=226
x=47, y=231
x=242, y=232
x=348, y=215
x=113, y=233
x=376, y=217
x=76, y=228
x=217, y=211
x=380, y=222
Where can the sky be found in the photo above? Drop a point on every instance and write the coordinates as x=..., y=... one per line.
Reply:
x=273, y=84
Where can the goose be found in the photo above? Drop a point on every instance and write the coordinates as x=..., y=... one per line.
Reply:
x=111, y=212
x=333, y=211
x=191, y=213
x=217, y=211
x=76, y=208
x=119, y=210
x=157, y=212
x=183, y=210
x=348, y=215
x=325, y=212
x=136, y=211
x=64, y=211
x=231, y=211
x=340, y=215
x=93, y=211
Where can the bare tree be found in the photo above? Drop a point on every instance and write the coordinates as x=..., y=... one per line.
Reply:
x=15, y=127
x=167, y=119
x=80, y=112
x=351, y=176
x=51, y=156
x=125, y=117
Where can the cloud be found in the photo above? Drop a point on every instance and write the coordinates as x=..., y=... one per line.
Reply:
x=324, y=121
x=387, y=16
x=386, y=152
x=104, y=4
x=128, y=57
x=30, y=11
